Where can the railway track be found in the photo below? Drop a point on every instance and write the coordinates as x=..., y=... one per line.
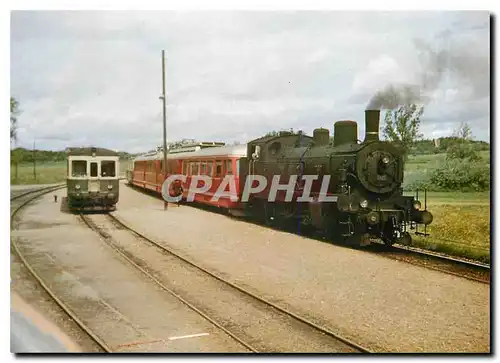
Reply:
x=468, y=269
x=35, y=190
x=253, y=321
x=30, y=198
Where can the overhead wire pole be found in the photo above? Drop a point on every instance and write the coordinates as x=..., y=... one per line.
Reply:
x=164, y=99
x=34, y=160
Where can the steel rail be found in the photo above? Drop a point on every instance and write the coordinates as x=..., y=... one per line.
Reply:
x=37, y=277
x=105, y=236
x=443, y=256
x=306, y=321
x=31, y=191
x=477, y=266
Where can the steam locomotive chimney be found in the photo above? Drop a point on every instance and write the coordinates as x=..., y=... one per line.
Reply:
x=372, y=122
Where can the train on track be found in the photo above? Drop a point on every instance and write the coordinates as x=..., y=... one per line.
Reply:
x=92, y=179
x=364, y=181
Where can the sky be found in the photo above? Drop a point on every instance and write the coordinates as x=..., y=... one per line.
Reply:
x=94, y=78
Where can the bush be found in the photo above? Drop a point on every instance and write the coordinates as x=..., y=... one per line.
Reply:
x=455, y=175
x=463, y=151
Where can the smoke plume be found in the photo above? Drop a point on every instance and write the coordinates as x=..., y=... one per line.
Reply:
x=464, y=62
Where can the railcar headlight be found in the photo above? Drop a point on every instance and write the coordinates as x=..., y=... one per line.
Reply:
x=363, y=203
x=417, y=205
x=77, y=186
x=110, y=187
x=385, y=160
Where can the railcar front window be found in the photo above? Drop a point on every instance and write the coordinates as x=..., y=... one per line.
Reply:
x=93, y=169
x=79, y=168
x=108, y=168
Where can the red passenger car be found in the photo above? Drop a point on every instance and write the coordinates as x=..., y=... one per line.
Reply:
x=214, y=162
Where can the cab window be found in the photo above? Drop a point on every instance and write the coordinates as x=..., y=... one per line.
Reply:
x=93, y=169
x=108, y=168
x=79, y=168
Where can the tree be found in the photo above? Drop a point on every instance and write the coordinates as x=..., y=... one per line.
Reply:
x=402, y=126
x=14, y=112
x=463, y=148
x=464, y=132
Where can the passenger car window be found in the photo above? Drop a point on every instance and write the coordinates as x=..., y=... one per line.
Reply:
x=79, y=168
x=229, y=167
x=195, y=168
x=93, y=169
x=209, y=168
x=202, y=168
x=108, y=168
x=218, y=169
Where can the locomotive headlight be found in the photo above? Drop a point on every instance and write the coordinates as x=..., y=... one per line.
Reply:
x=372, y=218
x=364, y=203
x=77, y=186
x=417, y=205
x=110, y=187
x=385, y=160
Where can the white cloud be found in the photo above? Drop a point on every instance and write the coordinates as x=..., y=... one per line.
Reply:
x=95, y=77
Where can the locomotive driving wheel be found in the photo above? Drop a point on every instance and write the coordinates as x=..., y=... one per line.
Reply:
x=405, y=239
x=359, y=240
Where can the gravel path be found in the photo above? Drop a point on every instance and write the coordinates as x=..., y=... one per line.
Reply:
x=382, y=304
x=116, y=301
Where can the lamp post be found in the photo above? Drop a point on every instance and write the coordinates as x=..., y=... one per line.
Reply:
x=163, y=97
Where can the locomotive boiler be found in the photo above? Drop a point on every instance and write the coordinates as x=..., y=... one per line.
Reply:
x=362, y=181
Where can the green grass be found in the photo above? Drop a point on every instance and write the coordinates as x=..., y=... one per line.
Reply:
x=47, y=173
x=434, y=198
x=459, y=229
x=461, y=224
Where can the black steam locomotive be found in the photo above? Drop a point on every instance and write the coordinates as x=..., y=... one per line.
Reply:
x=365, y=181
